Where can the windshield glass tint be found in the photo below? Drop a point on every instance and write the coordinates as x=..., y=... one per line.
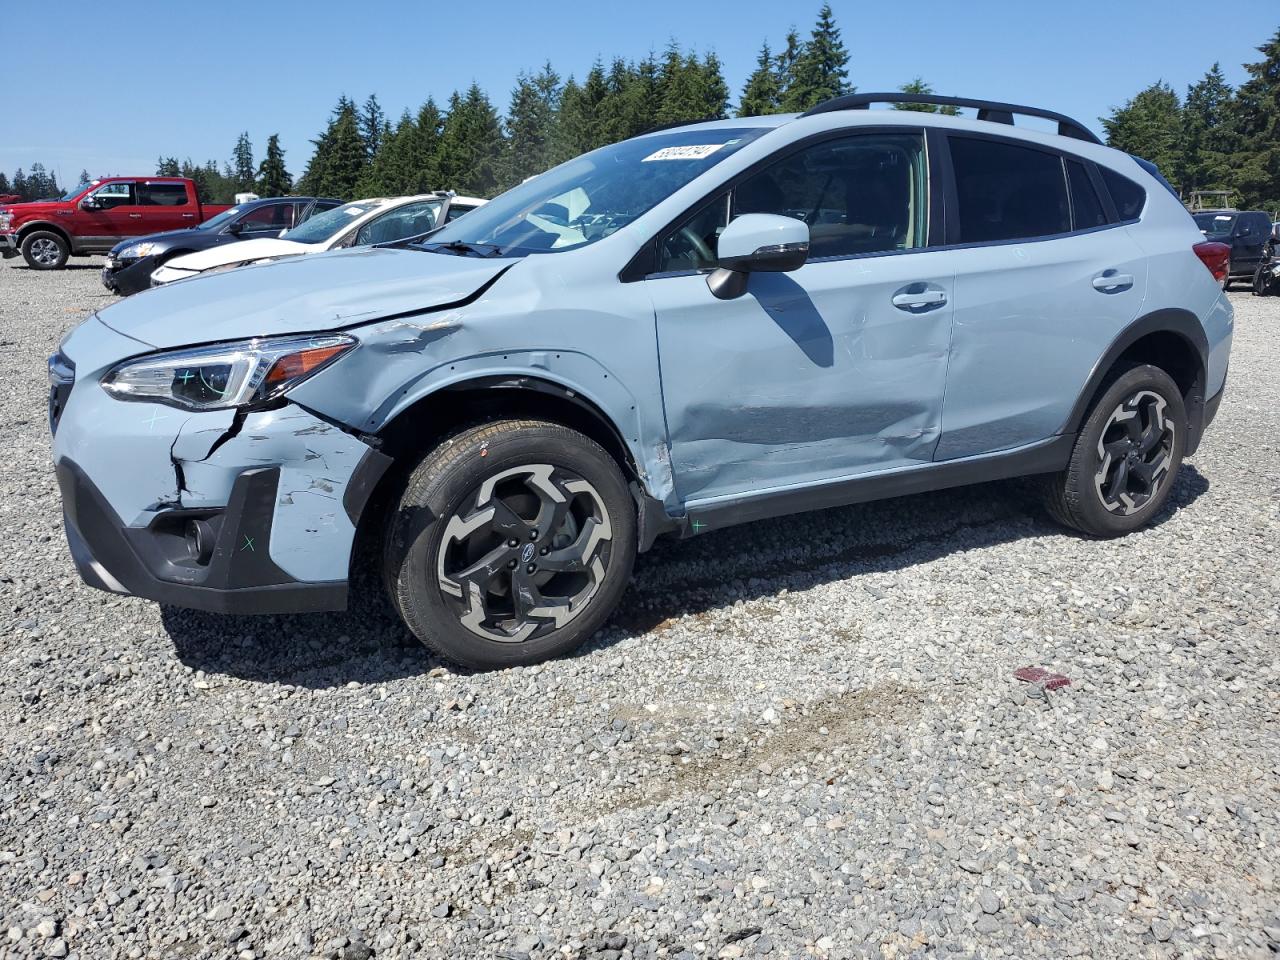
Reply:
x=597, y=194
x=75, y=191
x=1215, y=224
x=324, y=225
x=221, y=220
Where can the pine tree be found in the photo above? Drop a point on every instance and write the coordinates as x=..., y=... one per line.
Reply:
x=242, y=159
x=4, y=183
x=273, y=178
x=85, y=179
x=424, y=148
x=713, y=89
x=762, y=94
x=339, y=159
x=820, y=71
x=530, y=126
x=167, y=167
x=373, y=125
x=1149, y=126
x=1256, y=162
x=786, y=65
x=638, y=104
x=919, y=86
x=683, y=88
x=470, y=151
x=1207, y=134
x=20, y=184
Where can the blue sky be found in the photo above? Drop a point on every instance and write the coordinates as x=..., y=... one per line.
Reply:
x=116, y=88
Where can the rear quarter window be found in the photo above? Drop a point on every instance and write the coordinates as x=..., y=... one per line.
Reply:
x=1128, y=197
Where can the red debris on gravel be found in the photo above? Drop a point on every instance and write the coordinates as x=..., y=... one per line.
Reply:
x=1048, y=680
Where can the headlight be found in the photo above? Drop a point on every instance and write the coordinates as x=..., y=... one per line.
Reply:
x=136, y=251
x=6, y=220
x=247, y=373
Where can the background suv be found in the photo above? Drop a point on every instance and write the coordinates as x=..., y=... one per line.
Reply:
x=689, y=329
x=1247, y=232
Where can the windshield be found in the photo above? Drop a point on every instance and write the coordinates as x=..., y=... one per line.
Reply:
x=593, y=196
x=1214, y=225
x=75, y=191
x=221, y=220
x=324, y=225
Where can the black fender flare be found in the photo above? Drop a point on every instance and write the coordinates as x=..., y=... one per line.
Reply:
x=1183, y=324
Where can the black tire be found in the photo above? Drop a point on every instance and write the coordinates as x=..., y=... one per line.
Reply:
x=45, y=250
x=1111, y=493
x=482, y=501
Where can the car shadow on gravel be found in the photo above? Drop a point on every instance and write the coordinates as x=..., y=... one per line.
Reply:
x=369, y=645
x=66, y=266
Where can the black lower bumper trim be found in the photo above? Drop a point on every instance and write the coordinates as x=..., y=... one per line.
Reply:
x=130, y=279
x=153, y=562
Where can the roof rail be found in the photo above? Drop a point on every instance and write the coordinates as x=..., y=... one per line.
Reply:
x=990, y=110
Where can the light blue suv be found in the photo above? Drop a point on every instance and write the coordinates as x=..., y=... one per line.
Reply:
x=690, y=329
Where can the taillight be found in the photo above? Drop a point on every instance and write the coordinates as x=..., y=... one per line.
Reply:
x=1215, y=256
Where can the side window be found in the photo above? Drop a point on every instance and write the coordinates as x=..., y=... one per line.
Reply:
x=1086, y=208
x=406, y=221
x=271, y=217
x=860, y=194
x=1008, y=192
x=162, y=194
x=455, y=211
x=118, y=194
x=1128, y=197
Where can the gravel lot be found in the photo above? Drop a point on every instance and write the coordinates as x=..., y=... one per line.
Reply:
x=800, y=738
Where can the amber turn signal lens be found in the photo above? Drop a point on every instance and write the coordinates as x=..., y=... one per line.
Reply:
x=300, y=363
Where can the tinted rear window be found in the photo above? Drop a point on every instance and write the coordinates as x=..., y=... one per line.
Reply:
x=1008, y=192
x=1085, y=206
x=1128, y=197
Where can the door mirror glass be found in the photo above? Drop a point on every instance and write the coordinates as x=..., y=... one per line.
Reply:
x=90, y=203
x=757, y=243
x=235, y=228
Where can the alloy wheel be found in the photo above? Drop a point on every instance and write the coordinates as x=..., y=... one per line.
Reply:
x=45, y=252
x=527, y=554
x=1135, y=451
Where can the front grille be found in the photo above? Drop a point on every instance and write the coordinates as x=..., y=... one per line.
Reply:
x=62, y=376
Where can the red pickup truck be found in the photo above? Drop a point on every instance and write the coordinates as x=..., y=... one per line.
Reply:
x=94, y=217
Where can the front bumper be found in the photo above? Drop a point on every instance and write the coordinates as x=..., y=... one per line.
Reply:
x=128, y=278
x=163, y=562
x=250, y=512
x=9, y=245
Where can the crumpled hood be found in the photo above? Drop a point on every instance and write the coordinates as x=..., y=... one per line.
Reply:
x=299, y=295
x=245, y=250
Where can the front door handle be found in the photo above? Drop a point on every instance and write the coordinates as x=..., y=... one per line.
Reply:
x=135, y=216
x=1111, y=282
x=915, y=300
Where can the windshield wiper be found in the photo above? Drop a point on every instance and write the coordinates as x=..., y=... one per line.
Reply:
x=462, y=248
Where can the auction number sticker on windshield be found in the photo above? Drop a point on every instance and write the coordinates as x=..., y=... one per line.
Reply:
x=697, y=151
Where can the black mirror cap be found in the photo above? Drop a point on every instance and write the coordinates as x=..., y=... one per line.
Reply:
x=775, y=258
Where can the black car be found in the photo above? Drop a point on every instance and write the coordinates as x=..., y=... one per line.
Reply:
x=130, y=262
x=1247, y=232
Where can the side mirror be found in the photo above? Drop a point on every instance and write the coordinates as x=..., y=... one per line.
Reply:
x=235, y=228
x=90, y=203
x=757, y=243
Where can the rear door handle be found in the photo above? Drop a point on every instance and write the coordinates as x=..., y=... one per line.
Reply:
x=923, y=298
x=135, y=216
x=1111, y=282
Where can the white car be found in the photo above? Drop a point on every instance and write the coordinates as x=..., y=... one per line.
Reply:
x=378, y=220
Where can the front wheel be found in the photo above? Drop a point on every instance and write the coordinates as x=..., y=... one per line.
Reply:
x=1125, y=457
x=45, y=250
x=512, y=543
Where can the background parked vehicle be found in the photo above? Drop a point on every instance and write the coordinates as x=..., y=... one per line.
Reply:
x=1247, y=232
x=378, y=220
x=8, y=198
x=131, y=262
x=94, y=217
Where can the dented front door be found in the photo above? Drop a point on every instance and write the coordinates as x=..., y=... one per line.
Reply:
x=834, y=370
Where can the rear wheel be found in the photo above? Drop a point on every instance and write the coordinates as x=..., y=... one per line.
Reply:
x=1125, y=457
x=45, y=250
x=512, y=542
